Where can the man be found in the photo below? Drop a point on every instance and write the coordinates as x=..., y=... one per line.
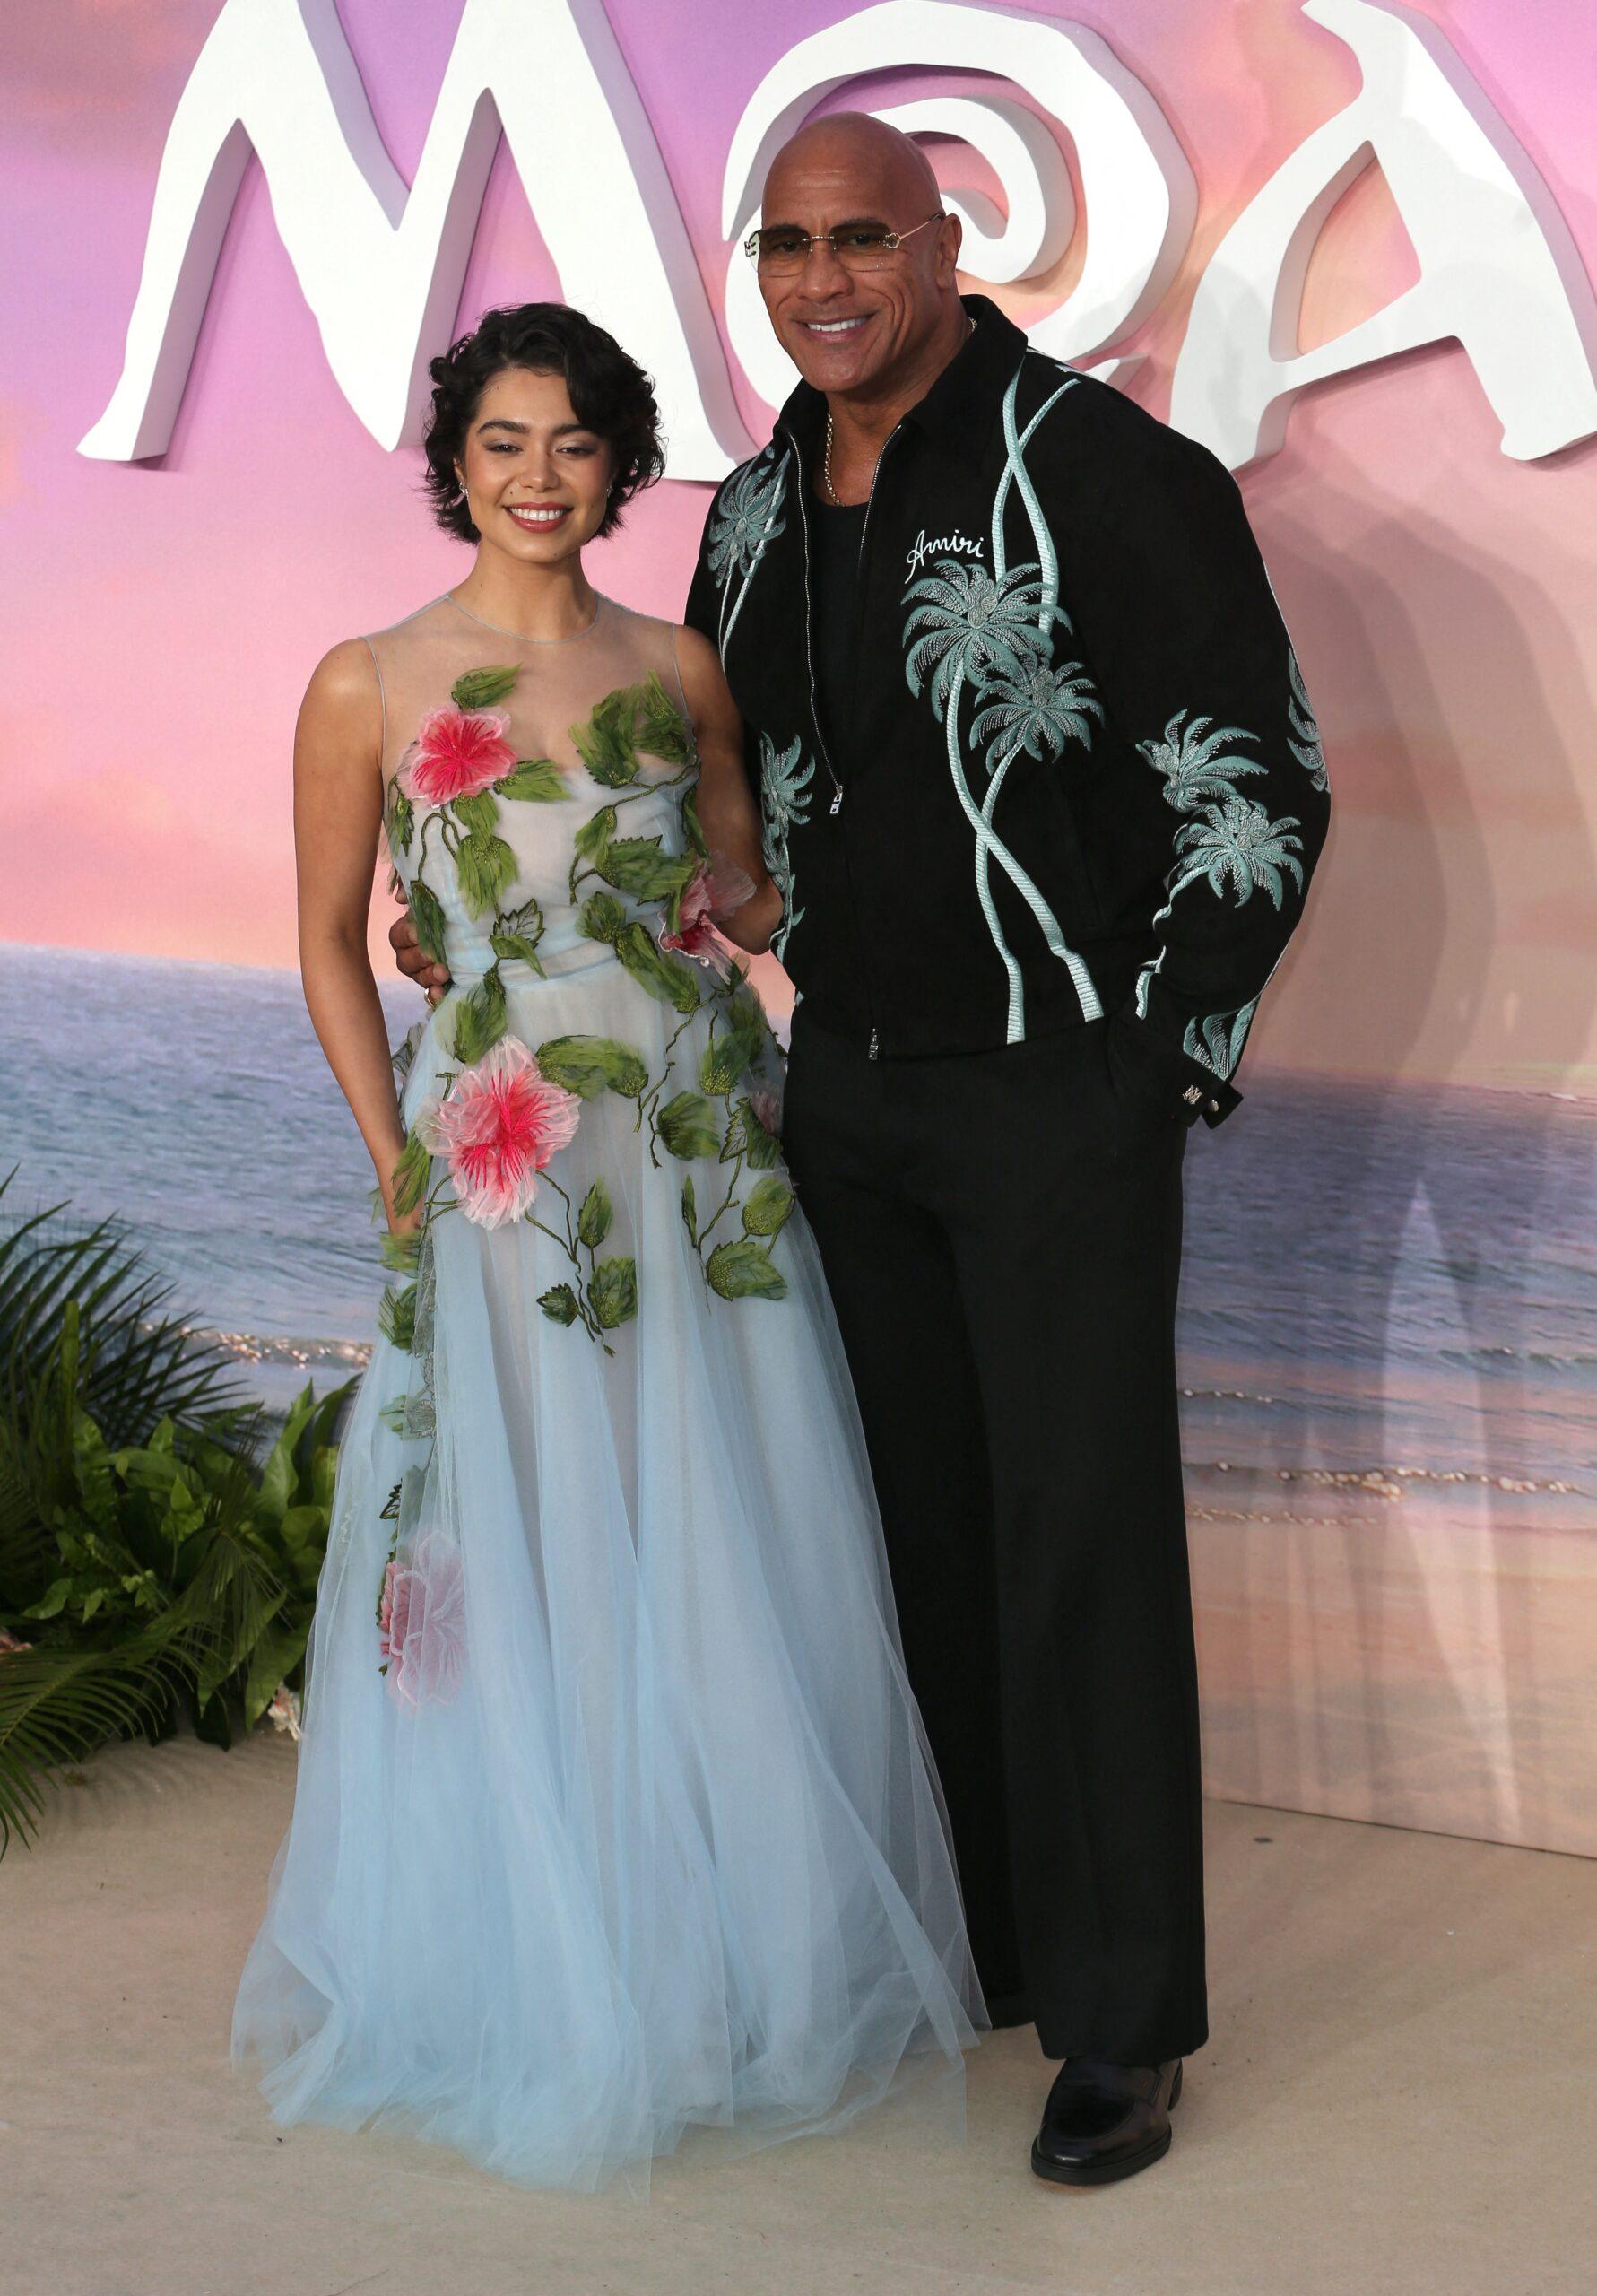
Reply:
x=1042, y=791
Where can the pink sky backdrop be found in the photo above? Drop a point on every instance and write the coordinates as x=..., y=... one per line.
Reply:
x=165, y=616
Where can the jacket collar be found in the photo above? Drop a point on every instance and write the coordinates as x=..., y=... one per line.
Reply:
x=962, y=404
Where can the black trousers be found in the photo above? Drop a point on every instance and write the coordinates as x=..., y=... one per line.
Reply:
x=1002, y=1236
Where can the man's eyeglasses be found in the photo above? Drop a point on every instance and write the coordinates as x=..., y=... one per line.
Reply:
x=858, y=247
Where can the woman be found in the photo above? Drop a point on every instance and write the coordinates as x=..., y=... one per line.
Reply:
x=613, y=1814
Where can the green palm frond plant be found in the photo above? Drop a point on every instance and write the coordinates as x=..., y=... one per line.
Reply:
x=145, y=1365
x=158, y=1558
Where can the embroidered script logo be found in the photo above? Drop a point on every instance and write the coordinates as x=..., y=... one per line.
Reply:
x=920, y=549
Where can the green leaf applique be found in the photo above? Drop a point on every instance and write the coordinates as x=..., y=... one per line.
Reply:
x=411, y=1417
x=632, y=719
x=478, y=814
x=402, y=1252
x=397, y=1315
x=769, y=1207
x=688, y=1126
x=475, y=688
x=604, y=741
x=743, y=1271
x=486, y=867
x=665, y=977
x=690, y=1210
x=603, y=918
x=595, y=833
x=520, y=948
x=560, y=1304
x=517, y=933
x=660, y=729
x=612, y=1294
x=690, y=827
x=411, y=1174
x=399, y=820
x=479, y=1018
x=589, y=1065
x=404, y=1053
x=594, y=1221
x=426, y=914
x=728, y=1057
x=636, y=865
x=536, y=780
x=762, y=1147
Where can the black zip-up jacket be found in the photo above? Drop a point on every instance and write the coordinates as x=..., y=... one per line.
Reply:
x=1077, y=775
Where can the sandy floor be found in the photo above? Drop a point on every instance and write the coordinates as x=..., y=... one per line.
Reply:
x=1399, y=2095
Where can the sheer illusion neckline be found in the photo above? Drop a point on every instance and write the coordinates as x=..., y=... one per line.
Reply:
x=446, y=597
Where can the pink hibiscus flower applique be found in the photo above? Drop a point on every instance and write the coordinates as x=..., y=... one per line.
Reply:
x=716, y=889
x=456, y=753
x=497, y=1130
x=421, y=1623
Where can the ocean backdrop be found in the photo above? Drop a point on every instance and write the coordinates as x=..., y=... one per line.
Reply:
x=1390, y=1289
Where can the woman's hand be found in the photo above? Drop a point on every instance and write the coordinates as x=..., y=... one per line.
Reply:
x=412, y=960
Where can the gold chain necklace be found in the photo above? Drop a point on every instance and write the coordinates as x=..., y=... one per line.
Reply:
x=826, y=463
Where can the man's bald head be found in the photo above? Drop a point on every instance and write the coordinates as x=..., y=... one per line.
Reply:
x=851, y=146
x=862, y=332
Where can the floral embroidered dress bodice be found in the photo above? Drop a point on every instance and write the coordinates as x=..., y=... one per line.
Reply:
x=505, y=760
x=613, y=1812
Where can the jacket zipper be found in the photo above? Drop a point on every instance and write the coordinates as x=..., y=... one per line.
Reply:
x=798, y=462
x=836, y=805
x=873, y=1050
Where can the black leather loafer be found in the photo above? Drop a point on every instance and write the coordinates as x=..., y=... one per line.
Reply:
x=1104, y=2121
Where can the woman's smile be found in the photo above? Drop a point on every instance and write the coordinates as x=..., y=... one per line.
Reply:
x=538, y=517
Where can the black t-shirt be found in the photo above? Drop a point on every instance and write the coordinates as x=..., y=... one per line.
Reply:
x=835, y=565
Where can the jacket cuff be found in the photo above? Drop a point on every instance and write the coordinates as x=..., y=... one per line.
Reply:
x=1157, y=1067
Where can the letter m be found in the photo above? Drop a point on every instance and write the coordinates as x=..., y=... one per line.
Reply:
x=381, y=264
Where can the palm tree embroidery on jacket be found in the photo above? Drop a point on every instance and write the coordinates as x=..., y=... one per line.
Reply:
x=994, y=632
x=784, y=805
x=1236, y=843
x=745, y=520
x=1304, y=742
x=1228, y=840
x=1217, y=1046
x=1195, y=761
x=1036, y=710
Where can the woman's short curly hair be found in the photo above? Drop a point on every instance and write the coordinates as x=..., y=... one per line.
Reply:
x=610, y=394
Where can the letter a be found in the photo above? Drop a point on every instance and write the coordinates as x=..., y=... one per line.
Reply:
x=1498, y=266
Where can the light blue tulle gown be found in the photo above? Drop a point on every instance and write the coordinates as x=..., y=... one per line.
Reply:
x=614, y=1818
